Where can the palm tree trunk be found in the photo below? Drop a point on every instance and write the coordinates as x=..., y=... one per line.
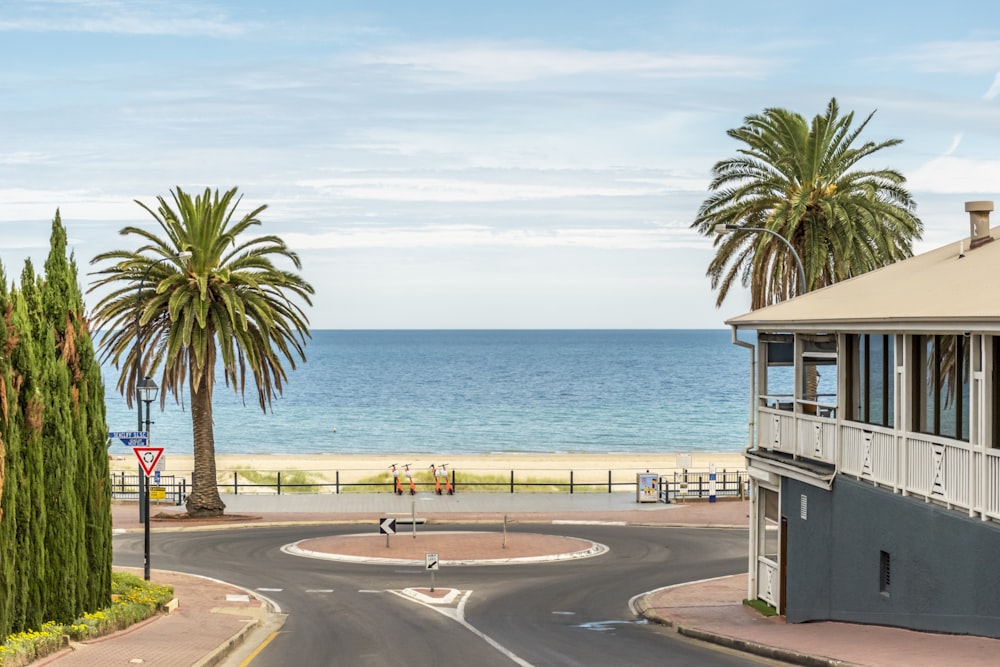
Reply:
x=204, y=500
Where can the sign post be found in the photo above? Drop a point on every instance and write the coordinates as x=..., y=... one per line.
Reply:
x=148, y=456
x=387, y=526
x=431, y=564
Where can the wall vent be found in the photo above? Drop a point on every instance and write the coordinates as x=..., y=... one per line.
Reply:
x=885, y=573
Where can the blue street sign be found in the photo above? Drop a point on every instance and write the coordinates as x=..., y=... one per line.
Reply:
x=130, y=438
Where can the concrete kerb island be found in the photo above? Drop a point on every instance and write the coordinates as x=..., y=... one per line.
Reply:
x=463, y=548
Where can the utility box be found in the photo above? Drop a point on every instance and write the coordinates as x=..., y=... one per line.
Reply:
x=647, y=487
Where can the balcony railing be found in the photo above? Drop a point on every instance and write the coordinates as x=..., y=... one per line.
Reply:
x=949, y=472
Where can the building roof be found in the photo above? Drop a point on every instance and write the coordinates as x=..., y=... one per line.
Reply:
x=952, y=288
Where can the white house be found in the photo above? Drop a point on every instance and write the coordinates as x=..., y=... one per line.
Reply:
x=875, y=470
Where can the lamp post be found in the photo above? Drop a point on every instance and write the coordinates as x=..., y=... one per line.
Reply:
x=723, y=229
x=140, y=385
x=145, y=392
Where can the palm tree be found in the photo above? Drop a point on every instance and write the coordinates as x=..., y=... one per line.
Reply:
x=227, y=302
x=801, y=181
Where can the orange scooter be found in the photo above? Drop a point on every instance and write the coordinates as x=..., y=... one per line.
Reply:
x=409, y=476
x=447, y=480
x=395, y=479
x=437, y=479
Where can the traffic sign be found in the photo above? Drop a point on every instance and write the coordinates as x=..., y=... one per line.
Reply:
x=148, y=456
x=158, y=493
x=130, y=438
x=387, y=526
x=431, y=562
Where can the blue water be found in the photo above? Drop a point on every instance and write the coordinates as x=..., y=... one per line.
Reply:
x=483, y=391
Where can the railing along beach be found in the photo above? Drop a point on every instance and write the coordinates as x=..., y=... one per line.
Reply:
x=674, y=485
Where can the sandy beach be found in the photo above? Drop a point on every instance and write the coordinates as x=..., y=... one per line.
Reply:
x=586, y=467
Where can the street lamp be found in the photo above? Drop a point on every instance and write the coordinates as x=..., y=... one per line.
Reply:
x=725, y=229
x=142, y=386
x=145, y=392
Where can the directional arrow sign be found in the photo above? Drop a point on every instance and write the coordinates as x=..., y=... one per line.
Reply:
x=431, y=561
x=130, y=438
x=148, y=456
x=387, y=526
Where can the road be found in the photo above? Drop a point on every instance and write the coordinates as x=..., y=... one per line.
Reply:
x=566, y=614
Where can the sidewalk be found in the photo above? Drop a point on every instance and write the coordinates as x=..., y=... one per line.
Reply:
x=213, y=618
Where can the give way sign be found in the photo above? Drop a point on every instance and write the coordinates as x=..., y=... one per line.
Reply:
x=148, y=456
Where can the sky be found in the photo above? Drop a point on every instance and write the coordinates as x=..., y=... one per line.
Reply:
x=467, y=165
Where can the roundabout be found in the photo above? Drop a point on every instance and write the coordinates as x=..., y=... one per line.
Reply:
x=455, y=548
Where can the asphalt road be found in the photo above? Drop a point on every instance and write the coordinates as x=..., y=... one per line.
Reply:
x=565, y=614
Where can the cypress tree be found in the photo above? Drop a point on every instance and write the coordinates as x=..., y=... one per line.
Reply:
x=86, y=426
x=31, y=504
x=55, y=497
x=10, y=471
x=64, y=548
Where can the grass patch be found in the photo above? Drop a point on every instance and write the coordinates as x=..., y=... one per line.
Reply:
x=471, y=482
x=133, y=600
x=761, y=607
x=292, y=481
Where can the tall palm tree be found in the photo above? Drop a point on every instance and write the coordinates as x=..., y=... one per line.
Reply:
x=227, y=302
x=801, y=180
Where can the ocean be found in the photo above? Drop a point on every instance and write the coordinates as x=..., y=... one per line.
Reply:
x=476, y=391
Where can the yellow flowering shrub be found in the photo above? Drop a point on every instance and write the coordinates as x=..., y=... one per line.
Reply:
x=133, y=600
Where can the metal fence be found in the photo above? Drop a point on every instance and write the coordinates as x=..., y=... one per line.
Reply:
x=125, y=486
x=673, y=487
x=697, y=484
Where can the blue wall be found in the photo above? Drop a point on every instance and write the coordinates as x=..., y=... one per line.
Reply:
x=944, y=573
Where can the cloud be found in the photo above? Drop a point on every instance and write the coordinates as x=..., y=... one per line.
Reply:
x=491, y=63
x=951, y=175
x=963, y=57
x=994, y=89
x=443, y=236
x=121, y=17
x=454, y=190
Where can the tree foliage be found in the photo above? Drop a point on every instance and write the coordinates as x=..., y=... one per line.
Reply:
x=804, y=181
x=227, y=303
x=55, y=501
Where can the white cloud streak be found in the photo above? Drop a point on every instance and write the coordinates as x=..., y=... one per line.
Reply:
x=497, y=63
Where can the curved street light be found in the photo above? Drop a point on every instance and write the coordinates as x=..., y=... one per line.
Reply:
x=723, y=229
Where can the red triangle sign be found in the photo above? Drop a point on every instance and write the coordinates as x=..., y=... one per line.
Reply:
x=148, y=457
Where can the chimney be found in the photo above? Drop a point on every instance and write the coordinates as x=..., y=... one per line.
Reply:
x=979, y=222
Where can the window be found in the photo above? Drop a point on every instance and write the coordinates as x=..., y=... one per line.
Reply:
x=819, y=375
x=778, y=383
x=941, y=385
x=871, y=383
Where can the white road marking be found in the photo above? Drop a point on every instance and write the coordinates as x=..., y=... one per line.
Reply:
x=457, y=614
x=571, y=522
x=319, y=590
x=370, y=590
x=270, y=590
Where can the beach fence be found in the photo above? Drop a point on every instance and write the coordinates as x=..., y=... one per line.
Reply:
x=672, y=486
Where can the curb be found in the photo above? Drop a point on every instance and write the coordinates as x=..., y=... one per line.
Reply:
x=641, y=607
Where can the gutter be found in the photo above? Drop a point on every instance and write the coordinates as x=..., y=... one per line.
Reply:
x=753, y=385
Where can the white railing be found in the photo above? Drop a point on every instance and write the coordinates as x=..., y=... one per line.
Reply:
x=817, y=438
x=991, y=485
x=869, y=452
x=767, y=581
x=937, y=469
x=800, y=435
x=776, y=430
